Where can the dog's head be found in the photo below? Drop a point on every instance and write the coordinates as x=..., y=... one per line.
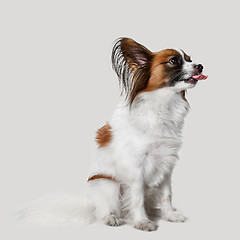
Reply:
x=140, y=70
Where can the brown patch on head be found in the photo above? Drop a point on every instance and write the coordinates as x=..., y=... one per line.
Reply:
x=164, y=56
x=160, y=72
x=140, y=70
x=104, y=135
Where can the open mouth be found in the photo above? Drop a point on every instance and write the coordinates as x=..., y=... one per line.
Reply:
x=194, y=79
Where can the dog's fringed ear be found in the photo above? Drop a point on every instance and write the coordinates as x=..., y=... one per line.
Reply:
x=136, y=55
x=131, y=61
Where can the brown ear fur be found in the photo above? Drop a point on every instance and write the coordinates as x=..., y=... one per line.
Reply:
x=132, y=63
x=136, y=55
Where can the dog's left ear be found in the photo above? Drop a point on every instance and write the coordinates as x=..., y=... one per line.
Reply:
x=135, y=54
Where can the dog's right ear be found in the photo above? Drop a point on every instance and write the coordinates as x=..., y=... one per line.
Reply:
x=131, y=61
x=134, y=54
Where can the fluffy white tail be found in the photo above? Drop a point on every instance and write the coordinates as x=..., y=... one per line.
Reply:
x=98, y=201
x=57, y=209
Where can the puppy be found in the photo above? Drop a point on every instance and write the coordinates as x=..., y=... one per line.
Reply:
x=130, y=180
x=138, y=148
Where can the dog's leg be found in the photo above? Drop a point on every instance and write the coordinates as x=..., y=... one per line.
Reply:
x=113, y=220
x=104, y=195
x=169, y=213
x=138, y=214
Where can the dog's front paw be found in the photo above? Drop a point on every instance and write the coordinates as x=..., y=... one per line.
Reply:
x=113, y=220
x=146, y=225
x=174, y=216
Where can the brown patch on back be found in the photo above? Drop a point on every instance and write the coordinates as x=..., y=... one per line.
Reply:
x=99, y=176
x=104, y=135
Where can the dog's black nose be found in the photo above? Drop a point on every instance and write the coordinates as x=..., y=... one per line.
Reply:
x=199, y=67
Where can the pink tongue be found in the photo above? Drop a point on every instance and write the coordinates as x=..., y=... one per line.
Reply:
x=200, y=77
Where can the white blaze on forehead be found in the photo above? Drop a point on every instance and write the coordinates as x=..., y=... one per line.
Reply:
x=180, y=52
x=188, y=67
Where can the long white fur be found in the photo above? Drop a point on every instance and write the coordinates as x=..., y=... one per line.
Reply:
x=145, y=142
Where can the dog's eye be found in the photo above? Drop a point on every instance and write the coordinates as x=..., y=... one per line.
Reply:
x=173, y=61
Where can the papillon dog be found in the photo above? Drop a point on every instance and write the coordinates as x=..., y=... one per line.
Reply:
x=130, y=179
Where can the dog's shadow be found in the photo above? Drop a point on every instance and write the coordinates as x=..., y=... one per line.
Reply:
x=151, y=205
x=154, y=214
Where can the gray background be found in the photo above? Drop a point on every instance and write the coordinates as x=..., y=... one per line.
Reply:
x=57, y=87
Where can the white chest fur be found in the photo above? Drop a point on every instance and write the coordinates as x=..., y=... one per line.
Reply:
x=150, y=132
x=146, y=137
x=161, y=116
